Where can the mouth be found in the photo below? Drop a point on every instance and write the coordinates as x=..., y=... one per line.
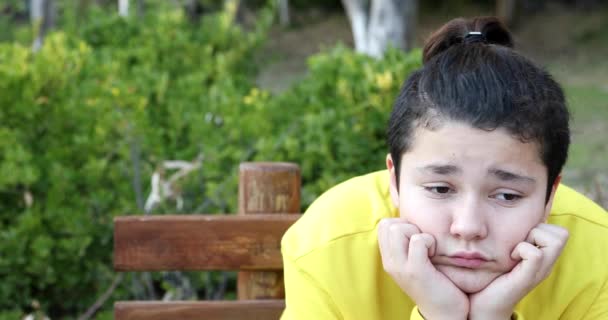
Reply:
x=471, y=260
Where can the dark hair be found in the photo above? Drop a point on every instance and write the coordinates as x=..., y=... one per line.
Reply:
x=482, y=81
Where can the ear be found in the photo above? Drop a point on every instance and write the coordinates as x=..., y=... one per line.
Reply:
x=551, y=197
x=393, y=188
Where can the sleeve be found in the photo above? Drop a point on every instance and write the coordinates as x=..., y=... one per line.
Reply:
x=599, y=308
x=305, y=298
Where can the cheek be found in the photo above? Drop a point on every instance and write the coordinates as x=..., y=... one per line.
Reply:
x=505, y=239
x=507, y=233
x=513, y=226
x=426, y=214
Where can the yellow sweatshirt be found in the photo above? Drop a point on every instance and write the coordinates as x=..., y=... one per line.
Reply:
x=333, y=268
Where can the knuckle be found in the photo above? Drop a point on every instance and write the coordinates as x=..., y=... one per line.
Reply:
x=536, y=255
x=384, y=223
x=394, y=227
x=416, y=238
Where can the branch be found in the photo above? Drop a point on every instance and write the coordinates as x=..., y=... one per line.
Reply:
x=102, y=299
x=135, y=153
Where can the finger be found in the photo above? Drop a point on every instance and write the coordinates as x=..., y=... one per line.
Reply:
x=422, y=246
x=384, y=229
x=393, y=239
x=383, y=239
x=397, y=228
x=551, y=242
x=399, y=239
x=531, y=262
x=558, y=231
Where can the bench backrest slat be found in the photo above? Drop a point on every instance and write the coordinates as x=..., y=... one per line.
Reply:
x=200, y=242
x=250, y=242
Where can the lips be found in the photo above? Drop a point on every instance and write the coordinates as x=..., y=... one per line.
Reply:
x=470, y=260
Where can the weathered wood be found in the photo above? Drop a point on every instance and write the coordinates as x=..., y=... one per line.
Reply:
x=200, y=310
x=269, y=187
x=200, y=242
x=266, y=187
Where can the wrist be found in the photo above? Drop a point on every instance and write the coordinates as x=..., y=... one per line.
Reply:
x=491, y=315
x=434, y=315
x=483, y=311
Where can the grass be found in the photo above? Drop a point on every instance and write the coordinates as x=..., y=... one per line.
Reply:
x=589, y=107
x=587, y=166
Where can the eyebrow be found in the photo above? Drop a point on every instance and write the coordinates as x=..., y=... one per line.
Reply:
x=510, y=176
x=503, y=175
x=446, y=169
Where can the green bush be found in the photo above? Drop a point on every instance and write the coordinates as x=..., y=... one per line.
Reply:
x=333, y=121
x=79, y=115
x=86, y=121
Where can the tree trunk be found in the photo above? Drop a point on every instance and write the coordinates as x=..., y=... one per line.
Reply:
x=357, y=13
x=505, y=10
x=193, y=10
x=410, y=19
x=123, y=8
x=140, y=8
x=36, y=18
x=284, y=12
x=386, y=23
x=42, y=17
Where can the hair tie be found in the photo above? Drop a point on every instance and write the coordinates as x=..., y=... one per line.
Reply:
x=474, y=37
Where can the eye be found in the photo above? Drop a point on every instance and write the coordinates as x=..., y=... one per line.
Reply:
x=439, y=190
x=507, y=197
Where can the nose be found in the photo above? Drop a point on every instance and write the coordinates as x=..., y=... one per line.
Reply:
x=468, y=220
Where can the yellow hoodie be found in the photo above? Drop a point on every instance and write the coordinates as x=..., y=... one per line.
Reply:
x=333, y=268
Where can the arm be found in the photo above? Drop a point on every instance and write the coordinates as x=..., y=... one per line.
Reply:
x=599, y=308
x=304, y=296
x=306, y=299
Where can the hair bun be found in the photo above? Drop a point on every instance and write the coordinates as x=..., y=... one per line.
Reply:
x=455, y=31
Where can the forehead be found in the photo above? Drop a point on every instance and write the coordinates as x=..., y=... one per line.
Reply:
x=466, y=147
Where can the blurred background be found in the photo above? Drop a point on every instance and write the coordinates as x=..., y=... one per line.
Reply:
x=114, y=107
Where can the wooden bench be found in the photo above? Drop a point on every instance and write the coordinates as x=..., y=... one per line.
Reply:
x=269, y=203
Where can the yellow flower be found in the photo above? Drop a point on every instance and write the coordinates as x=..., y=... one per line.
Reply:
x=252, y=96
x=42, y=100
x=248, y=100
x=384, y=81
x=83, y=48
x=90, y=102
x=344, y=90
x=142, y=103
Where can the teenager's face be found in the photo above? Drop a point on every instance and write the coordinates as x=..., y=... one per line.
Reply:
x=477, y=192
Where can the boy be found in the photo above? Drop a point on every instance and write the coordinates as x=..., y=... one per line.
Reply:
x=469, y=221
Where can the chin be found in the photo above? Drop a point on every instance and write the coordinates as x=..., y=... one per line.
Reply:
x=468, y=280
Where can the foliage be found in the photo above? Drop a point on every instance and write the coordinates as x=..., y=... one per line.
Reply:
x=86, y=121
x=81, y=114
x=332, y=123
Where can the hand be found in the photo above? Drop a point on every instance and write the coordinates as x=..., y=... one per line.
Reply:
x=405, y=255
x=538, y=254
